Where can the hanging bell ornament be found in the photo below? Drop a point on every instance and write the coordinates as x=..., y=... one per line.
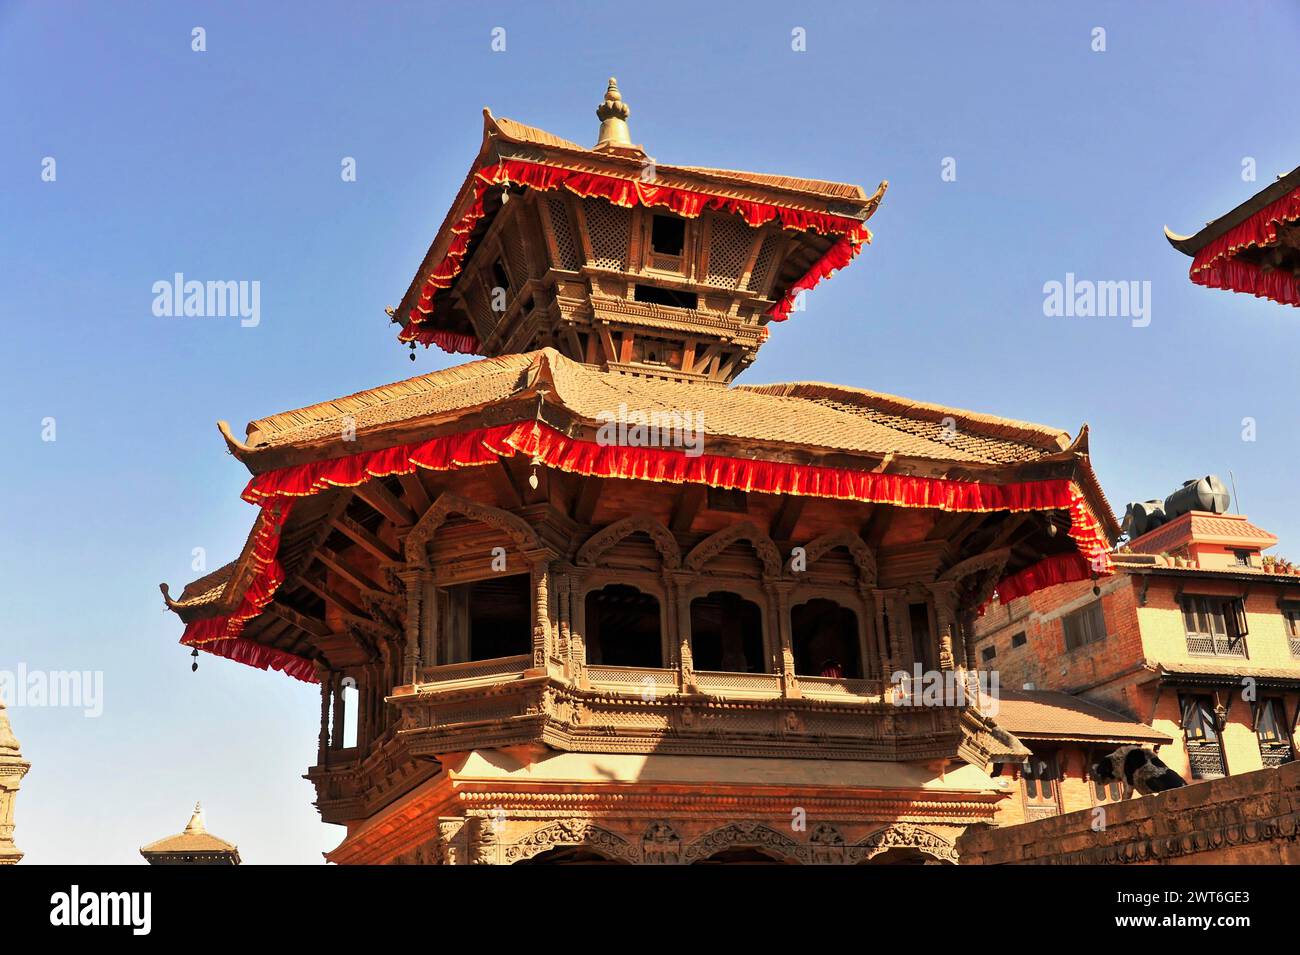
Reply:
x=412, y=351
x=532, y=478
x=194, y=667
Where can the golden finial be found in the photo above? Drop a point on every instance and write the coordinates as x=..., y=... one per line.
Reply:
x=613, y=118
x=196, y=820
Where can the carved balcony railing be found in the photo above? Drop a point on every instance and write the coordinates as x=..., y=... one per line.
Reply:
x=841, y=688
x=497, y=670
x=739, y=685
x=640, y=680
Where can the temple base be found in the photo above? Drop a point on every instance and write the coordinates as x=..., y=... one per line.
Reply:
x=536, y=805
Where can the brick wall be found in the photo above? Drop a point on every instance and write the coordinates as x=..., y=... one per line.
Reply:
x=1253, y=818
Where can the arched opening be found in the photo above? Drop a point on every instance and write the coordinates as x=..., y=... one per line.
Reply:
x=500, y=616
x=570, y=855
x=825, y=638
x=623, y=627
x=741, y=855
x=350, y=698
x=727, y=634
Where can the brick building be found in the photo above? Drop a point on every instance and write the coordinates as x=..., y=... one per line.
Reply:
x=1197, y=636
x=1066, y=735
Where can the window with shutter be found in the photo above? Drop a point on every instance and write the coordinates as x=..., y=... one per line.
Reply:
x=1084, y=626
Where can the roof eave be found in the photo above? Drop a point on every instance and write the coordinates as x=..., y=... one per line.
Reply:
x=1191, y=244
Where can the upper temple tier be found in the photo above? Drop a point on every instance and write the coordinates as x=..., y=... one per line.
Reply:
x=617, y=261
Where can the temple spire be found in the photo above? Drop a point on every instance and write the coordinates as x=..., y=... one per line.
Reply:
x=613, y=113
x=12, y=769
x=196, y=820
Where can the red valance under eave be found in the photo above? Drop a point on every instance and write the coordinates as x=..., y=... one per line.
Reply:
x=624, y=192
x=275, y=491
x=1217, y=265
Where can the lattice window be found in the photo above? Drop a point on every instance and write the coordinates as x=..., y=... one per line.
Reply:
x=728, y=250
x=565, y=242
x=516, y=255
x=1206, y=760
x=1215, y=625
x=1291, y=614
x=763, y=264
x=609, y=229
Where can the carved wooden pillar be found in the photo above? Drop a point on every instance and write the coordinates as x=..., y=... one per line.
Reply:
x=873, y=667
x=322, y=750
x=336, y=734
x=384, y=684
x=900, y=653
x=431, y=651
x=879, y=609
x=781, y=592
x=562, y=609
x=676, y=584
x=966, y=624
x=945, y=615
x=541, y=614
x=412, y=578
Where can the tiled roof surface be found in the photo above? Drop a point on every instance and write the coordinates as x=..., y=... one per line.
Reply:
x=808, y=416
x=1035, y=714
x=522, y=133
x=190, y=842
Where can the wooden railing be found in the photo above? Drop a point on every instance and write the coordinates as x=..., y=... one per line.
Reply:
x=477, y=670
x=841, y=688
x=761, y=685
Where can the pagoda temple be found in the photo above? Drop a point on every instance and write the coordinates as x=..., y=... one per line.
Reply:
x=194, y=846
x=1255, y=248
x=585, y=599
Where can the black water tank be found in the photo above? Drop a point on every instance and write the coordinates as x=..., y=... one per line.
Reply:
x=1202, y=494
x=1143, y=516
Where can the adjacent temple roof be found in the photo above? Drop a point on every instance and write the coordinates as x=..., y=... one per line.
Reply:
x=193, y=846
x=1046, y=715
x=1255, y=248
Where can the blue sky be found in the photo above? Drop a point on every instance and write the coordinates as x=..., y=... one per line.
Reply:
x=226, y=165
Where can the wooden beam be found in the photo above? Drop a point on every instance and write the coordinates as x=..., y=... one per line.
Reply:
x=947, y=523
x=585, y=501
x=353, y=576
x=503, y=481
x=787, y=516
x=878, y=526
x=416, y=495
x=374, y=493
x=367, y=541
x=335, y=600
x=308, y=624
x=1015, y=528
x=688, y=504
